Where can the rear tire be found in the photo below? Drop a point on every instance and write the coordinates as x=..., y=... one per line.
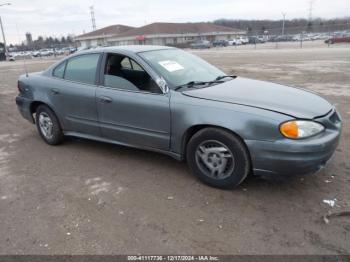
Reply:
x=218, y=158
x=48, y=125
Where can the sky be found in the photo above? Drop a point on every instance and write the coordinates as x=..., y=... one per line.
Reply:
x=63, y=17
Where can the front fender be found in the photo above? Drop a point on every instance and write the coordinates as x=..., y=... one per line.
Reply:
x=247, y=122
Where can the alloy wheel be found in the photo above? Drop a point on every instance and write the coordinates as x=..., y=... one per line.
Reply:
x=215, y=159
x=46, y=125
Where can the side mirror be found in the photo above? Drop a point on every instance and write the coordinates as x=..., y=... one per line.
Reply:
x=162, y=85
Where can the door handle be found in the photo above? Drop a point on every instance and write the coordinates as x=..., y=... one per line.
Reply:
x=105, y=99
x=55, y=91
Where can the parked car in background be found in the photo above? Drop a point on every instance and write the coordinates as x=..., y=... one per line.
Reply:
x=235, y=41
x=72, y=50
x=297, y=37
x=11, y=57
x=166, y=100
x=202, y=44
x=231, y=42
x=68, y=50
x=244, y=40
x=221, y=43
x=36, y=53
x=255, y=40
x=263, y=39
x=335, y=40
x=307, y=38
x=281, y=38
x=318, y=36
x=46, y=52
x=58, y=51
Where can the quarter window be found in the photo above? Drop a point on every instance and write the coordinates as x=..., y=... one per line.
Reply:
x=59, y=70
x=136, y=66
x=82, y=68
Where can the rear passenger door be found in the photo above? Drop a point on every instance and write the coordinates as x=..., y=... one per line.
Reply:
x=72, y=93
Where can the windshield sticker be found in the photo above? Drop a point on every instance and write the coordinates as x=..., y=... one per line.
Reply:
x=171, y=66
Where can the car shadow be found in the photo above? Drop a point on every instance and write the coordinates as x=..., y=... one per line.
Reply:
x=179, y=168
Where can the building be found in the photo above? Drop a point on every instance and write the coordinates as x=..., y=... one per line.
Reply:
x=29, y=39
x=172, y=34
x=99, y=37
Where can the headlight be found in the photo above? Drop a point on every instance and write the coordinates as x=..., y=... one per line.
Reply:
x=298, y=129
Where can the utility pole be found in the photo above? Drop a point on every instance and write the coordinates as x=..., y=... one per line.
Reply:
x=311, y=3
x=93, y=21
x=309, y=24
x=3, y=36
x=3, y=32
x=284, y=20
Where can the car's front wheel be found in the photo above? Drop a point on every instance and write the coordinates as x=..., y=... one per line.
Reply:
x=48, y=125
x=218, y=158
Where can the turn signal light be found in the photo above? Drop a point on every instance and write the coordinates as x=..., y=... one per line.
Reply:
x=290, y=129
x=298, y=129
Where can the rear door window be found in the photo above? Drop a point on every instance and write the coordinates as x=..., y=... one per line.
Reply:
x=82, y=68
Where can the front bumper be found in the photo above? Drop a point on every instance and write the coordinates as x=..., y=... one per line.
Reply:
x=296, y=157
x=23, y=105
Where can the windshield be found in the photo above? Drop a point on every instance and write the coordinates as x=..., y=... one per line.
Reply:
x=179, y=67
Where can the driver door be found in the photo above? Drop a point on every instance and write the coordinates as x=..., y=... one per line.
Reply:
x=130, y=108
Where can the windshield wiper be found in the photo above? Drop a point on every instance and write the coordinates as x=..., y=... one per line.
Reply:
x=224, y=76
x=190, y=84
x=197, y=83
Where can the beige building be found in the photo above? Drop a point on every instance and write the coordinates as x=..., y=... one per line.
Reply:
x=99, y=37
x=172, y=34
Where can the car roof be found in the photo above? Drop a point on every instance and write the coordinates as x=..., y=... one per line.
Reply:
x=127, y=48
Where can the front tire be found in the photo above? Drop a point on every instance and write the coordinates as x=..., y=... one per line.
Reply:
x=48, y=125
x=218, y=158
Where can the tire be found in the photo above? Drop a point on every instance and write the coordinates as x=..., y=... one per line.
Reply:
x=218, y=158
x=46, y=120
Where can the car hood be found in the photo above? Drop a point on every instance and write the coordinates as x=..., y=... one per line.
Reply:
x=287, y=100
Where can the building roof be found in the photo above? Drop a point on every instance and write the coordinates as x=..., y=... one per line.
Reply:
x=176, y=28
x=109, y=30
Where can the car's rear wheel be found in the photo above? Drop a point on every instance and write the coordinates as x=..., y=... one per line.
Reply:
x=218, y=158
x=48, y=125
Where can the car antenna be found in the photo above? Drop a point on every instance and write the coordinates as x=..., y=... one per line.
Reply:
x=24, y=57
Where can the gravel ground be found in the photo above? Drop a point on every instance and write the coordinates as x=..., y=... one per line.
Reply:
x=85, y=197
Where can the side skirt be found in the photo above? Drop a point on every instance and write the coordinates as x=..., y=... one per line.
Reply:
x=106, y=140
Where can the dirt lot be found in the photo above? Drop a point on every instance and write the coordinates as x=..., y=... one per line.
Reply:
x=85, y=197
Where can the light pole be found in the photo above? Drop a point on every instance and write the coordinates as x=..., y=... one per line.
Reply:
x=2, y=30
x=284, y=19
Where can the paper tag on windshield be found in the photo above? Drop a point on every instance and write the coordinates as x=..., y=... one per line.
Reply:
x=171, y=66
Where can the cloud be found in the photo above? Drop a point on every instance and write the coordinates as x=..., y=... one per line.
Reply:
x=57, y=18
